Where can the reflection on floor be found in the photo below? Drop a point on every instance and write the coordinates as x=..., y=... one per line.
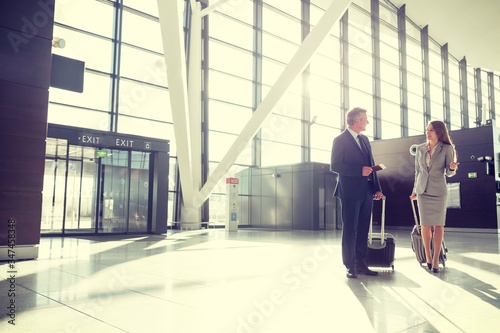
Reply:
x=247, y=281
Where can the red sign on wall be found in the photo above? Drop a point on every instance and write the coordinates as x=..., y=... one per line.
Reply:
x=232, y=181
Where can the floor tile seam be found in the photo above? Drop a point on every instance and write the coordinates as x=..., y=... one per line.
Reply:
x=435, y=309
x=163, y=299
x=74, y=309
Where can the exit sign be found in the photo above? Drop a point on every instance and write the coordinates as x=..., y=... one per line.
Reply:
x=472, y=175
x=101, y=153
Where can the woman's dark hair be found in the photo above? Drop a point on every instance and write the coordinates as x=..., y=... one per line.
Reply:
x=442, y=134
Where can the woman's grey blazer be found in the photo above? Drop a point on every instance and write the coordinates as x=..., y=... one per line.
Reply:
x=432, y=180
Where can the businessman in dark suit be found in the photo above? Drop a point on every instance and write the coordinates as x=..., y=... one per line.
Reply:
x=352, y=160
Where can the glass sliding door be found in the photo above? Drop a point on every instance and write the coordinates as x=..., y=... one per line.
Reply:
x=89, y=190
x=80, y=191
x=54, y=182
x=139, y=192
x=113, y=191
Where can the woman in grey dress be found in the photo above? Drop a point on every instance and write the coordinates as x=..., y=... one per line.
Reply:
x=434, y=160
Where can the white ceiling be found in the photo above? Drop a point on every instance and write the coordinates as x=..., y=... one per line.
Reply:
x=470, y=27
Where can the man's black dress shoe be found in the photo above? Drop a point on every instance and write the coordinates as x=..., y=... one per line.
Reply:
x=351, y=273
x=366, y=271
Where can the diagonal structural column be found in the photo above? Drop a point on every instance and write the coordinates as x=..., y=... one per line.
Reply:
x=190, y=210
x=170, y=13
x=297, y=64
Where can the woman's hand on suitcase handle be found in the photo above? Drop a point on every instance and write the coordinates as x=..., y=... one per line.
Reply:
x=378, y=195
x=413, y=196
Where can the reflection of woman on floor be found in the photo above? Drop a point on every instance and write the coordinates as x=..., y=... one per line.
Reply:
x=434, y=160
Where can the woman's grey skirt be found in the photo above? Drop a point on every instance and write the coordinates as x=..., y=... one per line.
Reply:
x=432, y=209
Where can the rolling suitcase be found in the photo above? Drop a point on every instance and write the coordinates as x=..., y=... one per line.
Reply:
x=417, y=244
x=381, y=246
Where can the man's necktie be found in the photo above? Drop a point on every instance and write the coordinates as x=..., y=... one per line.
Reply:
x=364, y=148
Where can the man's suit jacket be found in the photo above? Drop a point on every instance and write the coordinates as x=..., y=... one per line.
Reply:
x=433, y=180
x=347, y=161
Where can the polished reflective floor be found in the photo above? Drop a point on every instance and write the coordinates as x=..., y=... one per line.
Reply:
x=248, y=281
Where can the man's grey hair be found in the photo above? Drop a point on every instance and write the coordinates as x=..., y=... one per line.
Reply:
x=354, y=114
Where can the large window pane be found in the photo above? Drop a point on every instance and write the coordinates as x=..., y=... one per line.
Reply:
x=226, y=58
x=290, y=105
x=230, y=88
x=361, y=81
x=83, y=14
x=416, y=122
x=327, y=114
x=360, y=60
x=241, y=10
x=229, y=118
x=278, y=49
x=82, y=46
x=72, y=116
x=146, y=6
x=317, y=13
x=363, y=100
x=96, y=93
x=390, y=91
x=325, y=65
x=322, y=137
x=230, y=30
x=148, y=128
x=144, y=101
x=282, y=129
x=220, y=144
x=280, y=25
x=274, y=153
x=271, y=70
x=290, y=7
x=143, y=66
x=324, y=89
x=148, y=36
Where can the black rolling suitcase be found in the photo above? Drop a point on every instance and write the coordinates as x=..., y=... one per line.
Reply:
x=417, y=244
x=381, y=246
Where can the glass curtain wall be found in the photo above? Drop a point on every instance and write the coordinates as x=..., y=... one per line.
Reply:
x=250, y=42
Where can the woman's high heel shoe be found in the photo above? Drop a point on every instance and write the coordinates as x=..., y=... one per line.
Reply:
x=429, y=265
x=435, y=270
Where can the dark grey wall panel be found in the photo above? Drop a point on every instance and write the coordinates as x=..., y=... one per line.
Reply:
x=25, y=60
x=24, y=111
x=478, y=195
x=255, y=198
x=29, y=64
x=268, y=199
x=27, y=18
x=284, y=198
x=302, y=200
x=288, y=196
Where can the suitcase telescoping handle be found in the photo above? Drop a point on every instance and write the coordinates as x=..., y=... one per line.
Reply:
x=382, y=225
x=415, y=214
